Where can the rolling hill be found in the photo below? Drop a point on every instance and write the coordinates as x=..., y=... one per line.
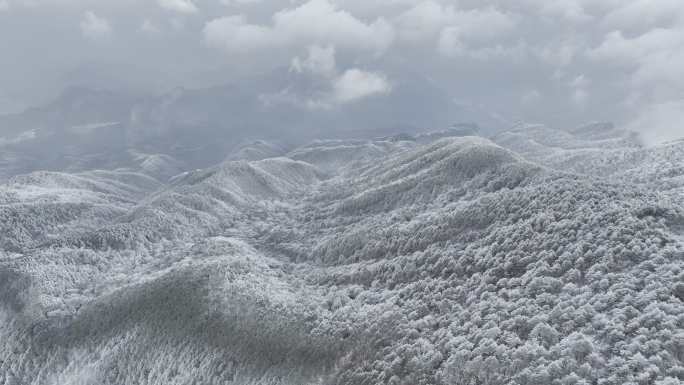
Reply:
x=537, y=256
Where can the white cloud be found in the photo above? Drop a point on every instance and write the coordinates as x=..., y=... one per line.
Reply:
x=321, y=85
x=478, y=32
x=651, y=62
x=646, y=51
x=239, y=2
x=643, y=15
x=74, y=4
x=321, y=61
x=180, y=6
x=321, y=21
x=315, y=22
x=376, y=7
x=150, y=28
x=508, y=54
x=235, y=35
x=355, y=84
x=559, y=54
x=660, y=122
x=95, y=27
x=579, y=87
x=425, y=20
x=569, y=10
x=477, y=28
x=617, y=48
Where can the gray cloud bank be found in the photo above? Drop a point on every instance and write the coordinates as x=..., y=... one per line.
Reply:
x=560, y=62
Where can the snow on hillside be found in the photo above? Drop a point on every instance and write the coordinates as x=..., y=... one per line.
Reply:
x=538, y=257
x=601, y=150
x=257, y=150
x=160, y=166
x=335, y=156
x=44, y=206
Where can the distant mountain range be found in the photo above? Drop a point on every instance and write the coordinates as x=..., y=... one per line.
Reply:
x=85, y=128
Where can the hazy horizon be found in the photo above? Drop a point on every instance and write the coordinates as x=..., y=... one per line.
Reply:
x=560, y=63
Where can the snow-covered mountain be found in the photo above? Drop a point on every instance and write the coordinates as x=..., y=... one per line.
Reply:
x=538, y=256
x=85, y=129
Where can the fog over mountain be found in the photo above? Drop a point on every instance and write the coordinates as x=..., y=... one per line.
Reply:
x=559, y=62
x=341, y=192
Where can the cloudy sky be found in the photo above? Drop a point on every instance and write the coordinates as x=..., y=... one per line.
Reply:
x=560, y=62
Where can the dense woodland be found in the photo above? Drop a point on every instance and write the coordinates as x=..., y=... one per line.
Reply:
x=537, y=256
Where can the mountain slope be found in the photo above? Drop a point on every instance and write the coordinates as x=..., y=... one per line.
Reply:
x=457, y=261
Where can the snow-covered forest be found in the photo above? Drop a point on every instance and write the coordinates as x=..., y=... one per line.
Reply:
x=535, y=256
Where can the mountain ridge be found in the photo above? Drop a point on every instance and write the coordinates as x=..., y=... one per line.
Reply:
x=460, y=260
